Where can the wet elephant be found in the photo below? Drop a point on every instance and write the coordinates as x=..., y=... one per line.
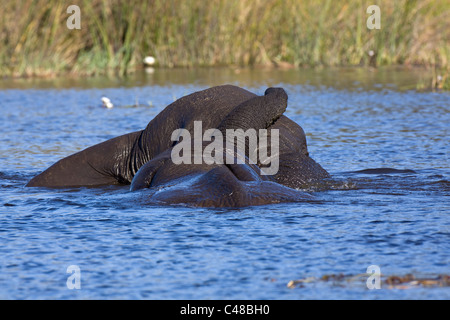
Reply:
x=144, y=158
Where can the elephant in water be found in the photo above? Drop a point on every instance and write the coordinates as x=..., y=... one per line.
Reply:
x=150, y=159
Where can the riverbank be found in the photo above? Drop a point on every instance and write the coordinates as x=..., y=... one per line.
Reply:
x=115, y=37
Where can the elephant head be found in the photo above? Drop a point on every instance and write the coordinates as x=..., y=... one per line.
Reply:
x=117, y=160
x=225, y=183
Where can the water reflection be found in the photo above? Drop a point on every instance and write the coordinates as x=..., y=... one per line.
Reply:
x=350, y=78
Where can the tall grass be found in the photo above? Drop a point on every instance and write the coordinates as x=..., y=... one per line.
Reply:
x=116, y=35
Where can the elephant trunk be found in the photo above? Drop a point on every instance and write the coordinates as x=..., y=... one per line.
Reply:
x=257, y=113
x=245, y=121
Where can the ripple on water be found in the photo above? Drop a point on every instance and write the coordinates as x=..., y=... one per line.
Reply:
x=126, y=249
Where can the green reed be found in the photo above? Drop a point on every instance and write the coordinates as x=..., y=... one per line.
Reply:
x=116, y=35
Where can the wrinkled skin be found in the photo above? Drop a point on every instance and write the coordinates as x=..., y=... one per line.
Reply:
x=143, y=158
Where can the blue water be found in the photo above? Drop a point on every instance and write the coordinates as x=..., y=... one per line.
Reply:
x=128, y=250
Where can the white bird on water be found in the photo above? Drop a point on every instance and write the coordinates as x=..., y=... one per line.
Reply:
x=107, y=103
x=149, y=61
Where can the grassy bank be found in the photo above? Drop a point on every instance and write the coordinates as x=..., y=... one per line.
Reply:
x=115, y=36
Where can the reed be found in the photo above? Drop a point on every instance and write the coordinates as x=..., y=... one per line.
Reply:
x=116, y=35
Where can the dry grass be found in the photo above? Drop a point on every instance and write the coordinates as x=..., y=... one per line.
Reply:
x=116, y=35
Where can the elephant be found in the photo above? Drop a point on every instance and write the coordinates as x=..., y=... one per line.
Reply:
x=145, y=159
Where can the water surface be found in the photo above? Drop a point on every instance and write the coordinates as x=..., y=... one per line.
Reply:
x=354, y=119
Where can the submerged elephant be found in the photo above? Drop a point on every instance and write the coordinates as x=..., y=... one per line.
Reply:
x=145, y=159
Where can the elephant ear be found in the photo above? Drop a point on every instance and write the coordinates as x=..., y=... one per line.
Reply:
x=257, y=113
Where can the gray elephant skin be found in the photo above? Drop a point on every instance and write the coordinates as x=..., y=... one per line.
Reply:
x=143, y=159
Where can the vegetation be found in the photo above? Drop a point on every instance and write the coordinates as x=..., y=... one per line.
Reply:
x=116, y=35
